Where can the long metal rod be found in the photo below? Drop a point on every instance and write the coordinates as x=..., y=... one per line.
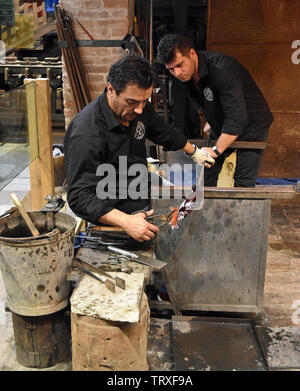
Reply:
x=77, y=61
x=151, y=32
x=60, y=33
x=72, y=62
x=78, y=83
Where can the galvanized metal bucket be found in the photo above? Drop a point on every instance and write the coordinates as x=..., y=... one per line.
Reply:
x=34, y=270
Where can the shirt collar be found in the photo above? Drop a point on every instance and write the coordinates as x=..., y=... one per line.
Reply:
x=202, y=70
x=109, y=116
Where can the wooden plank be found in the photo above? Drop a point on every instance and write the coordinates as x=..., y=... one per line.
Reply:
x=249, y=193
x=34, y=168
x=235, y=144
x=284, y=192
x=24, y=214
x=45, y=137
x=226, y=176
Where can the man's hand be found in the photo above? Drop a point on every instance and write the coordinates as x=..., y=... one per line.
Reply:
x=138, y=227
x=210, y=151
x=135, y=225
x=201, y=156
x=223, y=142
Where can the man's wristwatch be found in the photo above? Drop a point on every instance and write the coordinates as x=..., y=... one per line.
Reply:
x=191, y=154
x=215, y=149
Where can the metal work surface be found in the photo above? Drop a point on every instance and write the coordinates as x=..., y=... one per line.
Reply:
x=216, y=258
x=215, y=344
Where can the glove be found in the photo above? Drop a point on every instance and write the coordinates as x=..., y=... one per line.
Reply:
x=201, y=156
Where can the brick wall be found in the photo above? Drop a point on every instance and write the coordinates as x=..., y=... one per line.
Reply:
x=103, y=19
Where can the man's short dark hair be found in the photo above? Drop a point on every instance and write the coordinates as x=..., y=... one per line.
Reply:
x=131, y=70
x=170, y=44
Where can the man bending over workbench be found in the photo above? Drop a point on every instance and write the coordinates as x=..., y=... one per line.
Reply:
x=111, y=132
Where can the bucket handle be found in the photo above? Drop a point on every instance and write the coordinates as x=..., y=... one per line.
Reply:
x=54, y=233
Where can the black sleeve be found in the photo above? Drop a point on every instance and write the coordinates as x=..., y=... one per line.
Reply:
x=162, y=133
x=83, y=154
x=230, y=92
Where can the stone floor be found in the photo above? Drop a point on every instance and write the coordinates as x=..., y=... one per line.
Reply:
x=281, y=300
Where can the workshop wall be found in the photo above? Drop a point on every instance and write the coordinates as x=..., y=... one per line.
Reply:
x=104, y=20
x=263, y=35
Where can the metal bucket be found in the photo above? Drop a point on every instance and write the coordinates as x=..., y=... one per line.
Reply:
x=34, y=270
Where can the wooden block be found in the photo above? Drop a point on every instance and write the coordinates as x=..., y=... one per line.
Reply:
x=99, y=345
x=226, y=176
x=92, y=298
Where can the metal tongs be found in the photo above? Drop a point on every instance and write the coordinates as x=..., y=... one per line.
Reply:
x=110, y=285
x=160, y=219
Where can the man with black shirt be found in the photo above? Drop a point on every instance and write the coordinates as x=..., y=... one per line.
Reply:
x=233, y=105
x=111, y=132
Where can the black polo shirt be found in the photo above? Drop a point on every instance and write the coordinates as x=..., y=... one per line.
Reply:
x=95, y=137
x=232, y=102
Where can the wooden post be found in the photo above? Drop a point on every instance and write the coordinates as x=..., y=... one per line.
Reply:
x=34, y=168
x=39, y=119
x=42, y=90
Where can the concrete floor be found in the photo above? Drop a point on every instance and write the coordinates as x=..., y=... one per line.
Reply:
x=283, y=349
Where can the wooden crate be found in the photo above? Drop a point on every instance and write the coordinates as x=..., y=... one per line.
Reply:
x=36, y=8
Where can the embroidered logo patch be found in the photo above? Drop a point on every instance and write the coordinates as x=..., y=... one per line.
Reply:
x=139, y=130
x=208, y=94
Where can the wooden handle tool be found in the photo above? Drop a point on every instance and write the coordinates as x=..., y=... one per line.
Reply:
x=24, y=214
x=107, y=229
